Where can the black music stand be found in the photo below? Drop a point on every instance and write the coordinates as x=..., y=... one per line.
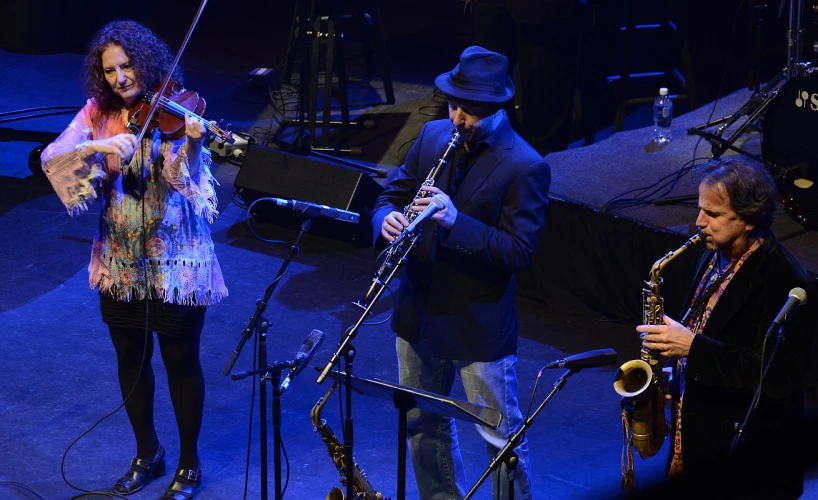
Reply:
x=407, y=398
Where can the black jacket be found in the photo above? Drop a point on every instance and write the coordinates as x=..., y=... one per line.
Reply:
x=458, y=285
x=723, y=370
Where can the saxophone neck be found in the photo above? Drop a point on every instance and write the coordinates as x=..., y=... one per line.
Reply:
x=315, y=413
x=656, y=270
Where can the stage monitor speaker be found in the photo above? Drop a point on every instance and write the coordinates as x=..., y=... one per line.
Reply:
x=272, y=172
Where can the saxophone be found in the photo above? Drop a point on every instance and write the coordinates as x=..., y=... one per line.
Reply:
x=363, y=489
x=409, y=214
x=639, y=381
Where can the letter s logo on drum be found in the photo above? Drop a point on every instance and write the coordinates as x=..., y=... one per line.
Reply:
x=813, y=102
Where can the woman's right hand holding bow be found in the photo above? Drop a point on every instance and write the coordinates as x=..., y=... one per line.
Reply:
x=123, y=145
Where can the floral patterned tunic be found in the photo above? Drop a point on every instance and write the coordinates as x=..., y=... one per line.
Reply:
x=153, y=236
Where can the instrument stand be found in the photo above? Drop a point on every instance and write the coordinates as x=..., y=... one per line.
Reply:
x=318, y=33
x=407, y=398
x=346, y=350
x=506, y=455
x=260, y=325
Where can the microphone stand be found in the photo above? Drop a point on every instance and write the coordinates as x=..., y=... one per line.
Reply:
x=507, y=455
x=346, y=350
x=273, y=374
x=261, y=305
x=740, y=427
x=261, y=327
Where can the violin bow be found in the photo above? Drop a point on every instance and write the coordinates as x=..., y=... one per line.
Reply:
x=164, y=86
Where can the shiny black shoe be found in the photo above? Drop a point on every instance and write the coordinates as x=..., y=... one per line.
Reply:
x=140, y=473
x=184, y=485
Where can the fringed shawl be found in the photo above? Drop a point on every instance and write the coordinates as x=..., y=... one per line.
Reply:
x=153, y=239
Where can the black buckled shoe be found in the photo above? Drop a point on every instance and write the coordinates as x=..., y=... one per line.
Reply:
x=184, y=485
x=140, y=473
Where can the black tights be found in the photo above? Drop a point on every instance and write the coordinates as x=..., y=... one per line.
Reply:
x=185, y=380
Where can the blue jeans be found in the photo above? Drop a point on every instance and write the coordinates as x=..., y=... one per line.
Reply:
x=433, y=439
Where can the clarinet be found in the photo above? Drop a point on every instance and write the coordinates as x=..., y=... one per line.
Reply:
x=377, y=280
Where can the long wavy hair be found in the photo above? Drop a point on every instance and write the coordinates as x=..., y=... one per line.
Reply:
x=148, y=54
x=749, y=186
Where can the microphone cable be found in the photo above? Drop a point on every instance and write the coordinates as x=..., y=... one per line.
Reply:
x=249, y=215
x=22, y=486
x=144, y=351
x=250, y=431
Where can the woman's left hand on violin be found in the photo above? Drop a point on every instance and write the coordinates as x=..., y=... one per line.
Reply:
x=194, y=127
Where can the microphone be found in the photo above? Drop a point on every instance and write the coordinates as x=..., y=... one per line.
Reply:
x=797, y=297
x=589, y=359
x=435, y=205
x=304, y=356
x=313, y=209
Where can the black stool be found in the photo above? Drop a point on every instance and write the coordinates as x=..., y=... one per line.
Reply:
x=640, y=30
x=319, y=38
x=669, y=36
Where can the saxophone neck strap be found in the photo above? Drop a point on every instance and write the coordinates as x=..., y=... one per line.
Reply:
x=715, y=279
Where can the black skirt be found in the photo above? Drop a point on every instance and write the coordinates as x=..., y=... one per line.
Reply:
x=163, y=317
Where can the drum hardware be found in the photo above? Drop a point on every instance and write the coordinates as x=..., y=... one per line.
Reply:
x=788, y=144
x=754, y=109
x=786, y=112
x=757, y=105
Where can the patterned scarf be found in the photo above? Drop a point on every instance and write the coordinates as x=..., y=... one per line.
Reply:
x=696, y=323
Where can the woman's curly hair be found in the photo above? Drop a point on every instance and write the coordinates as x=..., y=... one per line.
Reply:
x=148, y=54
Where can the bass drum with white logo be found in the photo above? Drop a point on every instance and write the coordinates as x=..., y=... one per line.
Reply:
x=790, y=142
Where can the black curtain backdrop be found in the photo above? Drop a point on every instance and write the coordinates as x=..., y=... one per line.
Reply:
x=236, y=34
x=253, y=33
x=590, y=261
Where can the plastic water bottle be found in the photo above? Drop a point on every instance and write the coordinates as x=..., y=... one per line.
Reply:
x=662, y=116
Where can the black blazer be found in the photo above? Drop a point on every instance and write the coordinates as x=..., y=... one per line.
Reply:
x=723, y=371
x=458, y=285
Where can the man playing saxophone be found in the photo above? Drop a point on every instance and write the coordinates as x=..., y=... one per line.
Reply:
x=455, y=311
x=743, y=280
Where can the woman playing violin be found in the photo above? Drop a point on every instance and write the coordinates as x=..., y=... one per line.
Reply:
x=152, y=259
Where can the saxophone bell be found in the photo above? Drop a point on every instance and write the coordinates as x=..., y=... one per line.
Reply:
x=335, y=494
x=633, y=378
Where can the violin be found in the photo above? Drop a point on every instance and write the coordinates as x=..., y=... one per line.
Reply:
x=170, y=113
